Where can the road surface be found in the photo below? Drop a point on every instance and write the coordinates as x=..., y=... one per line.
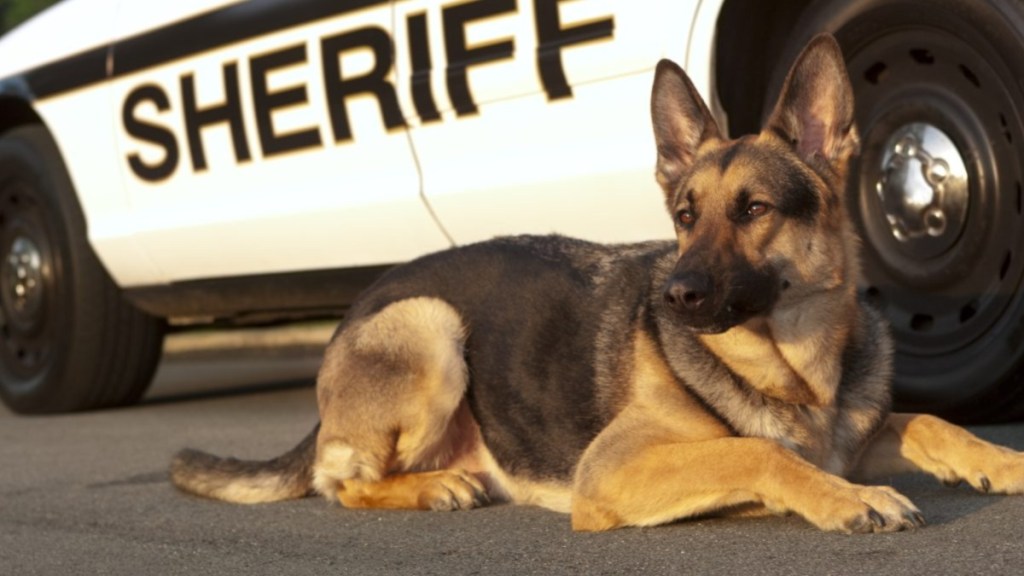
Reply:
x=88, y=494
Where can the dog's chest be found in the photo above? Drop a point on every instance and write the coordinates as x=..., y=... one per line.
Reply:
x=806, y=430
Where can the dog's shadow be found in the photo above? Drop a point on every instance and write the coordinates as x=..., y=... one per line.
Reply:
x=941, y=504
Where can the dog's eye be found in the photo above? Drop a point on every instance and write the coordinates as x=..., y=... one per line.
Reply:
x=757, y=209
x=686, y=217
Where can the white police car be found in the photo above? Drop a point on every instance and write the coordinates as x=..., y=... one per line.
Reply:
x=218, y=160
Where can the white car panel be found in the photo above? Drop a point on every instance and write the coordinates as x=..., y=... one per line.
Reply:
x=550, y=133
x=515, y=27
x=580, y=164
x=86, y=140
x=90, y=152
x=549, y=167
x=136, y=18
x=698, y=59
x=328, y=205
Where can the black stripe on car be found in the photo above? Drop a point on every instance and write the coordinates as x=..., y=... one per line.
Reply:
x=182, y=39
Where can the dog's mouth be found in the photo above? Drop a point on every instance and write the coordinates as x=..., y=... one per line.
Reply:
x=730, y=316
x=709, y=307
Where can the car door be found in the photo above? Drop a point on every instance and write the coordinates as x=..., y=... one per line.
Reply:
x=264, y=137
x=533, y=116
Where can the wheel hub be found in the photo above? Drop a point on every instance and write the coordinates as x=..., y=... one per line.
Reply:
x=21, y=279
x=923, y=187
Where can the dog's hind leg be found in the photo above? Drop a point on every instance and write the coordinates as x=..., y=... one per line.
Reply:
x=394, y=422
x=924, y=443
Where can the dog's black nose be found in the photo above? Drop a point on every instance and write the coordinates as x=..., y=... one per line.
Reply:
x=687, y=292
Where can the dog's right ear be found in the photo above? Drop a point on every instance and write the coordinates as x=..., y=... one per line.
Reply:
x=681, y=121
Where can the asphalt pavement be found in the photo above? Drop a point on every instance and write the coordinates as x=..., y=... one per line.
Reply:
x=88, y=494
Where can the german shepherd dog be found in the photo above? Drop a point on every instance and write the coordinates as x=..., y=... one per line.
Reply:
x=732, y=371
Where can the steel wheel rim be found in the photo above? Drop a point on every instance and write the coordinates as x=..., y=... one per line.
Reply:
x=28, y=287
x=950, y=298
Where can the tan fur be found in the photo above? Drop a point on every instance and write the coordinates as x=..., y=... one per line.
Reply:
x=449, y=489
x=387, y=391
x=404, y=426
x=255, y=491
x=923, y=443
x=652, y=464
x=751, y=351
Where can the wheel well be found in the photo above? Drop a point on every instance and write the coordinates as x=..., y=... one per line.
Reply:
x=749, y=39
x=16, y=112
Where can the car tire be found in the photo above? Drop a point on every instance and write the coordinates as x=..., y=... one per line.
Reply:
x=68, y=339
x=936, y=192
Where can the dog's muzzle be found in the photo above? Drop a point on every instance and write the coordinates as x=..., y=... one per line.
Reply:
x=712, y=306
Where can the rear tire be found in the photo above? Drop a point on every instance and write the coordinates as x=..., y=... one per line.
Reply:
x=68, y=339
x=945, y=267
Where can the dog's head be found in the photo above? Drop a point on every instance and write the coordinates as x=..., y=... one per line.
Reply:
x=760, y=220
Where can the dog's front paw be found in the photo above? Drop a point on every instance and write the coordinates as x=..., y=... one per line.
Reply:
x=865, y=509
x=994, y=469
x=452, y=490
x=954, y=455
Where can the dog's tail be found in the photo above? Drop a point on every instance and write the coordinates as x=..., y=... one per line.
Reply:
x=286, y=477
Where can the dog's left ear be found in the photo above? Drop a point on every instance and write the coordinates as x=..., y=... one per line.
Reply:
x=815, y=108
x=681, y=121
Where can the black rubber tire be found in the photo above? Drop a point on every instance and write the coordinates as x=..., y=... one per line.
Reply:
x=958, y=315
x=68, y=339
